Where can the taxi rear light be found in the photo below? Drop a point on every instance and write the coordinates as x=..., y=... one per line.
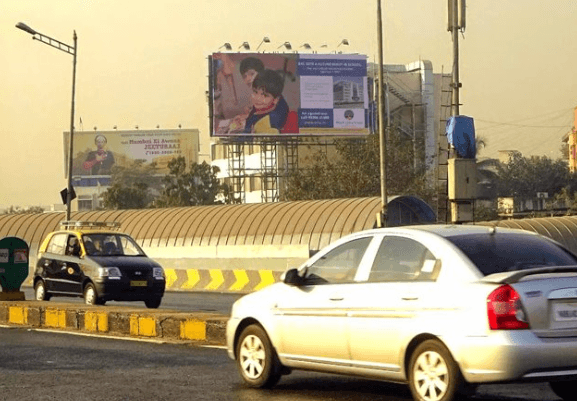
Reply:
x=504, y=310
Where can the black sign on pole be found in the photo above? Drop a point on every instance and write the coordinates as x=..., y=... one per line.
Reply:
x=64, y=195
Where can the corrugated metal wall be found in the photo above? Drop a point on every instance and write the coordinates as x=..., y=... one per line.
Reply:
x=561, y=229
x=315, y=223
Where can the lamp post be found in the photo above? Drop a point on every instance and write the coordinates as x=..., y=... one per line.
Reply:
x=70, y=50
x=382, y=129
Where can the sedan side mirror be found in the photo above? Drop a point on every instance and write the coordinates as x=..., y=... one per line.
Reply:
x=292, y=277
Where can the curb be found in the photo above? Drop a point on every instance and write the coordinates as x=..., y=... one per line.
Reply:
x=205, y=328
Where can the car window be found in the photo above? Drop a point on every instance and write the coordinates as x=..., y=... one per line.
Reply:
x=57, y=244
x=402, y=259
x=129, y=247
x=504, y=252
x=72, y=246
x=101, y=244
x=340, y=264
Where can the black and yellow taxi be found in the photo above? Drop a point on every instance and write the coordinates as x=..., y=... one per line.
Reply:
x=96, y=261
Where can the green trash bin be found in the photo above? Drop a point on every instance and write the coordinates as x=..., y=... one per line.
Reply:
x=13, y=268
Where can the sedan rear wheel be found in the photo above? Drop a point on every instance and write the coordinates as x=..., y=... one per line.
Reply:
x=564, y=389
x=433, y=374
x=256, y=358
x=40, y=293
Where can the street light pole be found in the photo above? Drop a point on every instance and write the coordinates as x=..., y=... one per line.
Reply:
x=73, y=51
x=382, y=133
x=71, y=141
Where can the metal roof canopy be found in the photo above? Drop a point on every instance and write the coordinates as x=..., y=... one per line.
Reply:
x=561, y=229
x=315, y=223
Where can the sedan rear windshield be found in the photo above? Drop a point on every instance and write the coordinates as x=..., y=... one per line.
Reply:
x=505, y=252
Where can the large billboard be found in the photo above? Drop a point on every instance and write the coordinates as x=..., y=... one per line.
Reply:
x=96, y=152
x=263, y=94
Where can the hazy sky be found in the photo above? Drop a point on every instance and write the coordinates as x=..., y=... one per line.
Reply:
x=143, y=62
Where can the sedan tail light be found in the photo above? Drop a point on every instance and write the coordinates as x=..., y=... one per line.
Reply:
x=504, y=310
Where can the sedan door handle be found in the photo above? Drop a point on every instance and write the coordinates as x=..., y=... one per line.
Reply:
x=336, y=298
x=410, y=298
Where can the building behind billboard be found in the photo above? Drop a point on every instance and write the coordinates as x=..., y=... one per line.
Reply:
x=95, y=153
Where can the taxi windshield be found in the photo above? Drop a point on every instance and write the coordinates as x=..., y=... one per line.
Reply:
x=109, y=244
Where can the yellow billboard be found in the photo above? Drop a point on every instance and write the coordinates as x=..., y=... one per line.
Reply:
x=96, y=153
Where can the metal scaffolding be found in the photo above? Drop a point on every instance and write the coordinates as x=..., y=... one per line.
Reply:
x=237, y=169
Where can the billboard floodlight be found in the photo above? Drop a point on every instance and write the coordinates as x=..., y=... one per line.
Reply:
x=245, y=45
x=227, y=46
x=287, y=45
x=264, y=40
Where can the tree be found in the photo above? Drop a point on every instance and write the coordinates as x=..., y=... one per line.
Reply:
x=133, y=187
x=198, y=186
x=354, y=171
x=19, y=210
x=525, y=176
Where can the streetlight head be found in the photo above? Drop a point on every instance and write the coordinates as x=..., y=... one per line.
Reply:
x=26, y=28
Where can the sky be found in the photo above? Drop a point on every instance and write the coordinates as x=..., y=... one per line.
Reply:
x=144, y=63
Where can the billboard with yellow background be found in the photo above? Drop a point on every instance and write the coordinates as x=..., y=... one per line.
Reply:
x=96, y=153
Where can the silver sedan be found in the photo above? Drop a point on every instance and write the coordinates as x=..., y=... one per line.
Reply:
x=441, y=308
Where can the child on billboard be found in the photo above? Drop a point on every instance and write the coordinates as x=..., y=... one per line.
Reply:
x=269, y=109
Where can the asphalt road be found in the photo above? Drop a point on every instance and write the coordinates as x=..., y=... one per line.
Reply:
x=40, y=365
x=183, y=301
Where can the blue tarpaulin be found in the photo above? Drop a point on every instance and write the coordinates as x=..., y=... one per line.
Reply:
x=460, y=132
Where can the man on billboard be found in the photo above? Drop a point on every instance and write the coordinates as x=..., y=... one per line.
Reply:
x=99, y=161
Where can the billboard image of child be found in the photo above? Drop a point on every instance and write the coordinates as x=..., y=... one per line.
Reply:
x=269, y=110
x=258, y=95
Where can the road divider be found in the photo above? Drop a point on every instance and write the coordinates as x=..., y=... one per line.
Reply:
x=206, y=328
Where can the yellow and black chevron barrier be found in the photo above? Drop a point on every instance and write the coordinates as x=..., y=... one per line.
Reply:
x=241, y=281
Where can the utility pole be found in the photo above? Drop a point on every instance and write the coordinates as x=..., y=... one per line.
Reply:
x=456, y=22
x=461, y=169
x=382, y=137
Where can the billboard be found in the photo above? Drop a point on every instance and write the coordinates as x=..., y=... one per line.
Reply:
x=95, y=153
x=263, y=94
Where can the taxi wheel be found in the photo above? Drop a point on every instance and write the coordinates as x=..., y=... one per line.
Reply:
x=256, y=358
x=433, y=374
x=40, y=293
x=152, y=303
x=90, y=295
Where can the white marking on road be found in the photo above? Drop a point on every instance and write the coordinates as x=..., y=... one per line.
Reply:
x=146, y=340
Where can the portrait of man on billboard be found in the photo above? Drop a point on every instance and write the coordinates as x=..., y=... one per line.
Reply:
x=101, y=160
